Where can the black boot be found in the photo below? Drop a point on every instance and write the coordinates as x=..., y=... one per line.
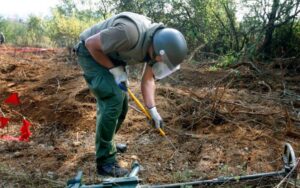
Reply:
x=111, y=169
x=121, y=148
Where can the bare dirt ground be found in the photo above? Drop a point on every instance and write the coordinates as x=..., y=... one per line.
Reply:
x=222, y=123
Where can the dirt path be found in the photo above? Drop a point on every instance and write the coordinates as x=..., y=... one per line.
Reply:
x=222, y=123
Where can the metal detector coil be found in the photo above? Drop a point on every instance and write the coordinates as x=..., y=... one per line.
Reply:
x=289, y=159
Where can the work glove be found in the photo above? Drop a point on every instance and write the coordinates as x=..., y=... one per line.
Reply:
x=157, y=120
x=120, y=76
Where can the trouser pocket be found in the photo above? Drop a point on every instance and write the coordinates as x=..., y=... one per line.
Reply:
x=100, y=86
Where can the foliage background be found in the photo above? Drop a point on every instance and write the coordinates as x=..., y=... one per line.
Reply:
x=268, y=29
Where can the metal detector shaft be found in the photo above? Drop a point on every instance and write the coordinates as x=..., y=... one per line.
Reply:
x=132, y=181
x=221, y=180
x=134, y=169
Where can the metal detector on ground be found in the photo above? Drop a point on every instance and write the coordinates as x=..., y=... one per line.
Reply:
x=132, y=181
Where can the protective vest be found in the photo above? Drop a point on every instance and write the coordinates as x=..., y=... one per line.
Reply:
x=146, y=31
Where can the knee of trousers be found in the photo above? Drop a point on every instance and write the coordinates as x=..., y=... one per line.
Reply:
x=113, y=107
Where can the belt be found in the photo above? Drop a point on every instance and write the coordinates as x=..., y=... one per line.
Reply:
x=76, y=47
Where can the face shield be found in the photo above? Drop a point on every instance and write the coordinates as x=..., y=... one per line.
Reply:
x=164, y=68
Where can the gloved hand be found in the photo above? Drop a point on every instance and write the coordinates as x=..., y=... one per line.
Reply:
x=120, y=76
x=156, y=118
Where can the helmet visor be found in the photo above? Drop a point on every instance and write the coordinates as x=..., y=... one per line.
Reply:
x=162, y=70
x=166, y=60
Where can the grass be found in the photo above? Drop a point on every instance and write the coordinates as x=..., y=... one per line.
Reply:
x=182, y=176
x=10, y=178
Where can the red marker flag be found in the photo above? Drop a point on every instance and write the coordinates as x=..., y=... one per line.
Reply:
x=3, y=122
x=13, y=99
x=25, y=131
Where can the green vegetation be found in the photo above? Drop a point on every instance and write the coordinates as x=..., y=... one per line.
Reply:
x=182, y=176
x=269, y=28
x=224, y=61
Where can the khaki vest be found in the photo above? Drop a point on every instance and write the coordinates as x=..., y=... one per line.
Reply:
x=146, y=30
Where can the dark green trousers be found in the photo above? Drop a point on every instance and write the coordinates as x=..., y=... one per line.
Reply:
x=112, y=105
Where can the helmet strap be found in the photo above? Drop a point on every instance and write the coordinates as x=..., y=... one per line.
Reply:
x=151, y=62
x=153, y=54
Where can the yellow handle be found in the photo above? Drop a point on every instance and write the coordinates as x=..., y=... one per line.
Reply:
x=161, y=132
x=140, y=105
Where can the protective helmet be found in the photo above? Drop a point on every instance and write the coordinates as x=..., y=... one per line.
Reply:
x=171, y=45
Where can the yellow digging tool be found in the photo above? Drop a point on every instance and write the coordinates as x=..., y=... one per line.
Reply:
x=140, y=105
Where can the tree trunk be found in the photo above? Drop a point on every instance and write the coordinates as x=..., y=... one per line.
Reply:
x=266, y=47
x=234, y=33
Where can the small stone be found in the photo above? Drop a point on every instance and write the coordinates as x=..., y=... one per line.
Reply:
x=52, y=175
x=11, y=84
x=31, y=143
x=134, y=157
x=123, y=163
x=76, y=143
x=50, y=148
x=17, y=154
x=142, y=168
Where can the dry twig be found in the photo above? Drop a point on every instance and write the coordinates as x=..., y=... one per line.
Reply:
x=287, y=177
x=194, y=52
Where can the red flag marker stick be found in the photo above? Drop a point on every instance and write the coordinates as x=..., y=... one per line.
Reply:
x=3, y=121
x=2, y=112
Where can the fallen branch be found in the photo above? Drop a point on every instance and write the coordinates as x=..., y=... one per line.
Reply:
x=135, y=108
x=254, y=113
x=54, y=181
x=292, y=134
x=194, y=52
x=288, y=175
x=2, y=112
x=265, y=84
x=294, y=185
x=58, y=85
x=248, y=63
